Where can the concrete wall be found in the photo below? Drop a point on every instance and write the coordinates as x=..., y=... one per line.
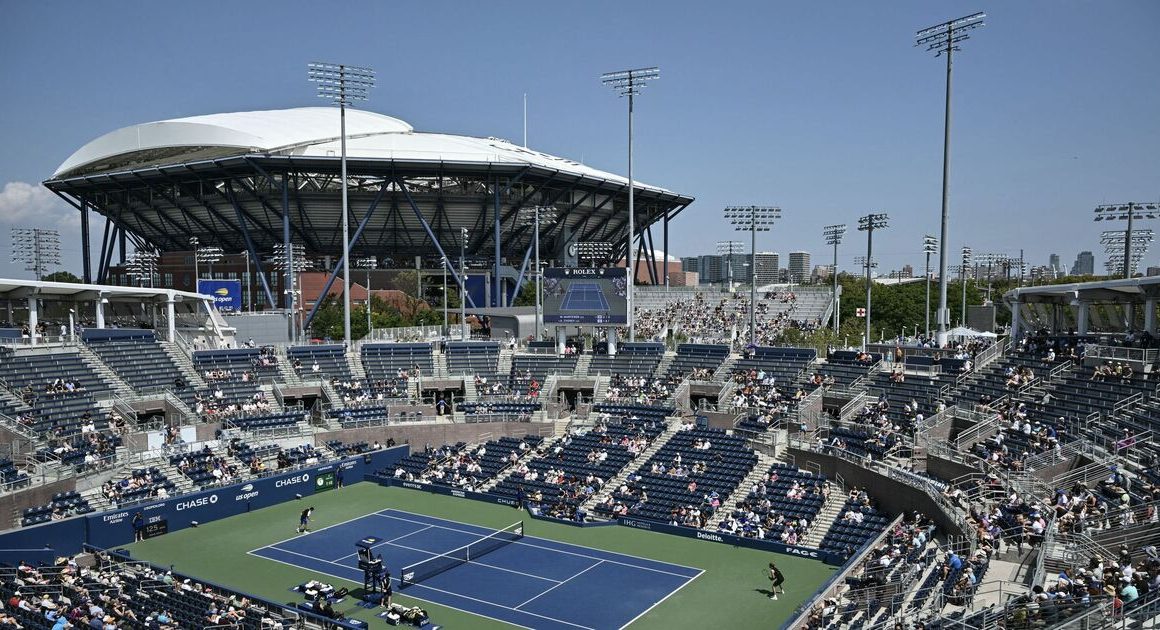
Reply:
x=893, y=497
x=419, y=435
x=15, y=503
x=947, y=469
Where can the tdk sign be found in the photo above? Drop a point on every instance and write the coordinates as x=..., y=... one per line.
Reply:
x=195, y=503
x=292, y=481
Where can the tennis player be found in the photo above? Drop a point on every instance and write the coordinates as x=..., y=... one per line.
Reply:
x=776, y=579
x=304, y=520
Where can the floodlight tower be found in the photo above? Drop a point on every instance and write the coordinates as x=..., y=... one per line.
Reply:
x=730, y=249
x=1127, y=211
x=834, y=234
x=593, y=251
x=463, y=284
x=963, y=280
x=867, y=224
x=368, y=263
x=291, y=262
x=537, y=215
x=929, y=246
x=38, y=249
x=1117, y=245
x=343, y=84
x=143, y=266
x=629, y=83
x=944, y=39
x=754, y=219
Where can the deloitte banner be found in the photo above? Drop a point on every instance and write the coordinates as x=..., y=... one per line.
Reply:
x=227, y=294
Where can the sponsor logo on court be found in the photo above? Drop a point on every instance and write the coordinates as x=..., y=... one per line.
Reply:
x=708, y=536
x=802, y=552
x=458, y=493
x=637, y=524
x=115, y=518
x=414, y=486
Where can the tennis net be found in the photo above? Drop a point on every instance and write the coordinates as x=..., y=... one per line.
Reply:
x=431, y=567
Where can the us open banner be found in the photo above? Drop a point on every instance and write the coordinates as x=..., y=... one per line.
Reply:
x=227, y=294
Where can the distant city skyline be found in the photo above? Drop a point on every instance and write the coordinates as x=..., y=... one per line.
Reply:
x=827, y=111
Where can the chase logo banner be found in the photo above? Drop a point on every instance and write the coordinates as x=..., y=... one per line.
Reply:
x=227, y=294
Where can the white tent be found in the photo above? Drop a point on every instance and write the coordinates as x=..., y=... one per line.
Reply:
x=962, y=332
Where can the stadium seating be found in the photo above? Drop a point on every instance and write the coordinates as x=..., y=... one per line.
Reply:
x=697, y=357
x=63, y=505
x=784, y=364
x=847, y=535
x=331, y=361
x=137, y=357
x=473, y=358
x=59, y=412
x=528, y=367
x=386, y=361
x=632, y=359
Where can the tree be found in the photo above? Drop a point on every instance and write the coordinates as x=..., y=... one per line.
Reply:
x=62, y=276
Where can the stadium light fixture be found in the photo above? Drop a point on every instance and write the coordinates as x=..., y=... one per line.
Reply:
x=834, y=235
x=291, y=262
x=727, y=250
x=143, y=265
x=342, y=85
x=539, y=215
x=463, y=284
x=368, y=263
x=963, y=268
x=1117, y=245
x=594, y=251
x=944, y=39
x=929, y=246
x=37, y=248
x=867, y=224
x=630, y=83
x=753, y=219
x=1130, y=212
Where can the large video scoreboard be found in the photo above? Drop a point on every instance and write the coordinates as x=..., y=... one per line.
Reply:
x=579, y=295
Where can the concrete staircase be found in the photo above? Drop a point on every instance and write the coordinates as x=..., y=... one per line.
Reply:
x=470, y=393
x=663, y=366
x=439, y=363
x=825, y=518
x=726, y=368
x=582, y=364
x=120, y=388
x=185, y=364
x=760, y=469
x=504, y=367
x=600, y=388
x=356, y=367
x=632, y=466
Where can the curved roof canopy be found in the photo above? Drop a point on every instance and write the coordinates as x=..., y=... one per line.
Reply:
x=300, y=132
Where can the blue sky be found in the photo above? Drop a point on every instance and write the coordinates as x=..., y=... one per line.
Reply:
x=823, y=108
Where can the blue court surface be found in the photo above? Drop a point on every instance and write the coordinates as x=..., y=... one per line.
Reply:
x=584, y=296
x=531, y=582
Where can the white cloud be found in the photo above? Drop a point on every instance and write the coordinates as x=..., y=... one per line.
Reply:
x=32, y=205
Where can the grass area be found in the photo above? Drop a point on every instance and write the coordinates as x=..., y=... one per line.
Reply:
x=732, y=591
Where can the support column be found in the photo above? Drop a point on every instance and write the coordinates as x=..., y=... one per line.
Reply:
x=86, y=253
x=32, y=317
x=665, y=238
x=498, y=299
x=1016, y=319
x=171, y=322
x=561, y=339
x=1081, y=317
x=1150, y=315
x=1129, y=316
x=99, y=308
x=612, y=339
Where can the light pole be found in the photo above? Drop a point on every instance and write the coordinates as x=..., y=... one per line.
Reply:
x=445, y=265
x=727, y=250
x=1127, y=211
x=929, y=246
x=754, y=219
x=143, y=265
x=834, y=234
x=368, y=263
x=538, y=215
x=1119, y=249
x=291, y=263
x=867, y=224
x=193, y=243
x=343, y=85
x=462, y=284
x=944, y=39
x=963, y=279
x=629, y=83
x=38, y=249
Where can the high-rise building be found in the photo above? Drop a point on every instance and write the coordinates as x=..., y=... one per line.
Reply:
x=691, y=263
x=799, y=267
x=1085, y=264
x=1153, y=271
x=1053, y=264
x=907, y=271
x=768, y=264
x=711, y=268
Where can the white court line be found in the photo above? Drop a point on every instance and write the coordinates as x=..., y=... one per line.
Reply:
x=661, y=600
x=387, y=542
x=346, y=579
x=561, y=584
x=482, y=601
x=571, y=553
x=349, y=520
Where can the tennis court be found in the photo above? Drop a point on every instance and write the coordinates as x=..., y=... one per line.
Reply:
x=584, y=296
x=523, y=580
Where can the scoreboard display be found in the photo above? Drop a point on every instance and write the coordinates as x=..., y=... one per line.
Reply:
x=578, y=295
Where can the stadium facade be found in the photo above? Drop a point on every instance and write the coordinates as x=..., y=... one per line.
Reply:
x=250, y=181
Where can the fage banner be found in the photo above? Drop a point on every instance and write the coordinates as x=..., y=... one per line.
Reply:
x=227, y=294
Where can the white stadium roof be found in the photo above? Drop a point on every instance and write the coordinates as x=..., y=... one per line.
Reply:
x=301, y=132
